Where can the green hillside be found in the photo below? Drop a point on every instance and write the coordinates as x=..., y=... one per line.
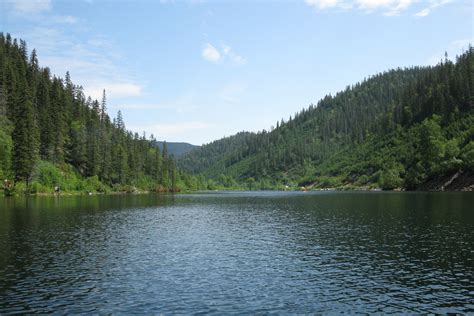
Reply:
x=407, y=128
x=177, y=149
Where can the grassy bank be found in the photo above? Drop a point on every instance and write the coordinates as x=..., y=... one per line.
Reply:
x=49, y=178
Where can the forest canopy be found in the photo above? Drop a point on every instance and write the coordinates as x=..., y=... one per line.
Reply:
x=51, y=134
x=403, y=128
x=410, y=128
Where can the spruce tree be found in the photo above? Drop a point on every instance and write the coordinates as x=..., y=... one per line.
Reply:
x=24, y=138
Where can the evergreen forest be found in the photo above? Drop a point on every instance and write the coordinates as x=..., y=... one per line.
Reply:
x=410, y=128
x=52, y=135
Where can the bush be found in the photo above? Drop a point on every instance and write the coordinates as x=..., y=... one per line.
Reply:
x=36, y=187
x=145, y=183
x=20, y=188
x=467, y=155
x=92, y=184
x=328, y=182
x=362, y=180
x=47, y=174
x=389, y=179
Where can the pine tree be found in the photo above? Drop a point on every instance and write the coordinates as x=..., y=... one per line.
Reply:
x=24, y=138
x=119, y=121
x=45, y=118
x=103, y=108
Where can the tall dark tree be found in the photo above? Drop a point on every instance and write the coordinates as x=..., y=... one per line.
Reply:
x=24, y=138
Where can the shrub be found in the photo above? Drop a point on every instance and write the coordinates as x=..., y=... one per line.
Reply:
x=389, y=179
x=47, y=174
x=467, y=155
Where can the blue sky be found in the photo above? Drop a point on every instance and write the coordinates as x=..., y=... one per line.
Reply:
x=196, y=71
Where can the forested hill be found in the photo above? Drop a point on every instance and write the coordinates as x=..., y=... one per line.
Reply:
x=52, y=135
x=177, y=149
x=405, y=128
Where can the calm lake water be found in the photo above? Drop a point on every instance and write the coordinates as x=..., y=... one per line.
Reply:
x=238, y=252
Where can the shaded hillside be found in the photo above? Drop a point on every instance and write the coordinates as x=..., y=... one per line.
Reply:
x=400, y=128
x=177, y=149
x=211, y=157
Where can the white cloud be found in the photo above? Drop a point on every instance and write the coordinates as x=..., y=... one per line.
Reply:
x=91, y=70
x=433, y=4
x=423, y=13
x=323, y=4
x=399, y=7
x=234, y=57
x=31, y=6
x=387, y=7
x=210, y=53
x=91, y=62
x=65, y=19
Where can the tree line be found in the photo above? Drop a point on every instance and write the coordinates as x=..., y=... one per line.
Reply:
x=52, y=134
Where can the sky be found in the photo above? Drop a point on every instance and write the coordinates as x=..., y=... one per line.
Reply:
x=196, y=70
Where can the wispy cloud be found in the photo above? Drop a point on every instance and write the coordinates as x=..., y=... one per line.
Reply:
x=36, y=11
x=462, y=44
x=212, y=54
x=433, y=4
x=327, y=4
x=233, y=56
x=454, y=48
x=113, y=89
x=94, y=69
x=30, y=6
x=423, y=13
x=232, y=92
x=386, y=7
x=92, y=60
x=65, y=19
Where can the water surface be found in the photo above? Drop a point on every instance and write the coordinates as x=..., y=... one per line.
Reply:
x=250, y=252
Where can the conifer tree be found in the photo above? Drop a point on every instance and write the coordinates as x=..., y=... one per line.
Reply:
x=24, y=138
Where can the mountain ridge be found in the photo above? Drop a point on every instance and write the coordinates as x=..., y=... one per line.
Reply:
x=177, y=149
x=387, y=112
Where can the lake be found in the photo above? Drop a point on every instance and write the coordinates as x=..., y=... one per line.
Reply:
x=244, y=252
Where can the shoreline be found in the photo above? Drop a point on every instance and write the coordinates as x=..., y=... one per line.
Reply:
x=141, y=192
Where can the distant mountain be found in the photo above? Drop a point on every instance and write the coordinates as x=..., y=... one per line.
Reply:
x=407, y=128
x=177, y=149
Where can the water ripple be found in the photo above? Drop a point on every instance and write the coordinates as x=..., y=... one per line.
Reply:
x=239, y=252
